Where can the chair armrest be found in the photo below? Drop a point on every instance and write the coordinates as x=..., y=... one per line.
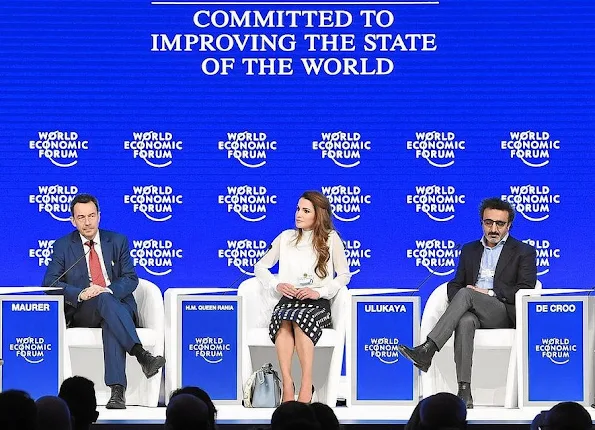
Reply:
x=257, y=303
x=340, y=310
x=151, y=310
x=435, y=307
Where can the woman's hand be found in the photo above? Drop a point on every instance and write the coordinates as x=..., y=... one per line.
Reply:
x=287, y=290
x=307, y=293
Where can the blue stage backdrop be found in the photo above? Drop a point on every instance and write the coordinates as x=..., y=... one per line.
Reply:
x=198, y=126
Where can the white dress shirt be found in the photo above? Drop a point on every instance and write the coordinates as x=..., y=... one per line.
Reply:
x=97, y=247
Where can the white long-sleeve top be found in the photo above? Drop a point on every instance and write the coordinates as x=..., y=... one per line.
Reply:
x=299, y=261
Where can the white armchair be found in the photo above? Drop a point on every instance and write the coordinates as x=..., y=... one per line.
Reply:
x=494, y=380
x=85, y=355
x=257, y=348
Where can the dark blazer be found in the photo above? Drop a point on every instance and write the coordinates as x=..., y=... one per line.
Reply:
x=516, y=269
x=116, y=256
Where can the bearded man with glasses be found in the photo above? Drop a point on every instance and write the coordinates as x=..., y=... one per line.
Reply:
x=481, y=295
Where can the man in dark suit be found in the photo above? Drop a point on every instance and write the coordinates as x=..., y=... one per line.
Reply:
x=97, y=278
x=481, y=295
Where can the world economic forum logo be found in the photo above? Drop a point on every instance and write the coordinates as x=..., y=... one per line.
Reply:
x=533, y=202
x=249, y=148
x=346, y=201
x=559, y=350
x=355, y=253
x=249, y=202
x=155, y=148
x=344, y=149
x=437, y=148
x=383, y=348
x=210, y=349
x=60, y=147
x=533, y=148
x=546, y=253
x=437, y=256
x=439, y=203
x=157, y=203
x=55, y=200
x=42, y=253
x=157, y=257
x=30, y=349
x=243, y=254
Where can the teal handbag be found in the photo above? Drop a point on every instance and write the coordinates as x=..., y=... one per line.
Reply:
x=263, y=388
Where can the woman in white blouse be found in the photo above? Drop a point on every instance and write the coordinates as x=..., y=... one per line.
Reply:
x=309, y=256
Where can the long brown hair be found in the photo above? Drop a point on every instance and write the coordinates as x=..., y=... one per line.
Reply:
x=323, y=225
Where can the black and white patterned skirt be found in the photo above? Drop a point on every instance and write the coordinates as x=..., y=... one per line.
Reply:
x=310, y=315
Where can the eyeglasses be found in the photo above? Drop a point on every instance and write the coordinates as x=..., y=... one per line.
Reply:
x=490, y=222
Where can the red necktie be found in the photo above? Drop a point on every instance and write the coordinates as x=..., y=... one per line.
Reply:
x=95, y=266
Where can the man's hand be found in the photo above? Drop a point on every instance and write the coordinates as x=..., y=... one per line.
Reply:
x=92, y=291
x=287, y=290
x=307, y=293
x=479, y=290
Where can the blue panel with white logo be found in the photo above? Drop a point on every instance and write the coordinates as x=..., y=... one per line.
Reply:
x=31, y=335
x=381, y=375
x=209, y=346
x=556, y=350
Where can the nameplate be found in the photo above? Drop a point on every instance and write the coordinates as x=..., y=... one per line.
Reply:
x=210, y=345
x=555, y=350
x=380, y=374
x=31, y=336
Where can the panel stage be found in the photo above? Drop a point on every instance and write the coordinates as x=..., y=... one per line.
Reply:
x=237, y=416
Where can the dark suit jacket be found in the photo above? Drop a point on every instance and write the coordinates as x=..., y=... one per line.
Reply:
x=116, y=256
x=516, y=269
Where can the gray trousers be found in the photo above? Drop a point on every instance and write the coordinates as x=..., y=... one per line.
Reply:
x=468, y=311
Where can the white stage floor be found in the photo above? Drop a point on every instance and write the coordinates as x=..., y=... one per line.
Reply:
x=352, y=415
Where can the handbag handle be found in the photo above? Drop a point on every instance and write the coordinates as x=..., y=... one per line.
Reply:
x=260, y=376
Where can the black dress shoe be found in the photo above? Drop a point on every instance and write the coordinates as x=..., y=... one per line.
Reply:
x=150, y=364
x=421, y=355
x=117, y=399
x=465, y=394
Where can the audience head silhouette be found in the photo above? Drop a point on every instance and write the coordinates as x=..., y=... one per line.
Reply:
x=414, y=420
x=52, y=414
x=568, y=416
x=185, y=412
x=17, y=411
x=299, y=424
x=293, y=414
x=202, y=395
x=79, y=394
x=325, y=416
x=442, y=411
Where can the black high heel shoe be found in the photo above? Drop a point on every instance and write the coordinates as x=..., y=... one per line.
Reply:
x=283, y=401
x=311, y=397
